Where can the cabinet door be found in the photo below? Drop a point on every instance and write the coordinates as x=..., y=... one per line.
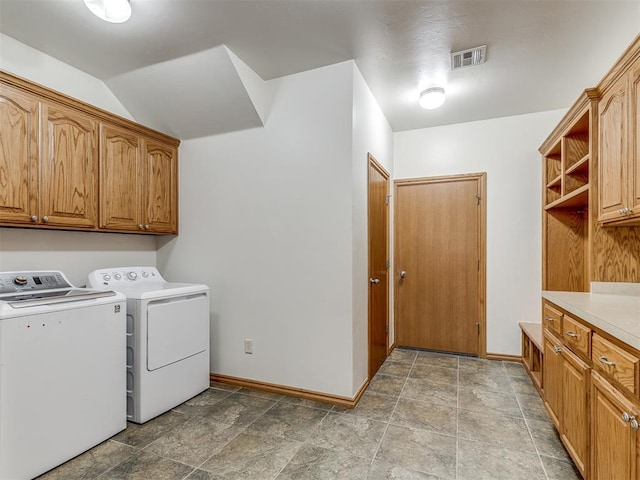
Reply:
x=613, y=441
x=553, y=362
x=161, y=187
x=574, y=427
x=613, y=141
x=634, y=159
x=18, y=155
x=68, y=167
x=121, y=206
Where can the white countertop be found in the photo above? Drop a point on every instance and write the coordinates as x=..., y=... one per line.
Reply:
x=618, y=315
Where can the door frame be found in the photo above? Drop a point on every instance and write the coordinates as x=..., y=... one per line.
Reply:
x=481, y=179
x=372, y=162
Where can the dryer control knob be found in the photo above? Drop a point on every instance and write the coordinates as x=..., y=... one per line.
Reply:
x=145, y=274
x=132, y=275
x=117, y=276
x=106, y=277
x=20, y=280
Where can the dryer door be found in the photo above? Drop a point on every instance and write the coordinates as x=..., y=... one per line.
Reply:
x=177, y=328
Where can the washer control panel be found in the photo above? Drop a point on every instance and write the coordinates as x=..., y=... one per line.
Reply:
x=12, y=282
x=112, y=277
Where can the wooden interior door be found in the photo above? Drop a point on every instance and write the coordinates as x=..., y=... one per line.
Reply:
x=439, y=239
x=378, y=217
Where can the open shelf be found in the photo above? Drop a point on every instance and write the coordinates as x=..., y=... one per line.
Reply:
x=555, y=184
x=577, y=198
x=580, y=167
x=532, y=352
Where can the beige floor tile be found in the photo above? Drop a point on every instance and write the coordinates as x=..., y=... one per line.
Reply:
x=252, y=456
x=560, y=469
x=289, y=420
x=402, y=355
x=385, y=471
x=386, y=384
x=200, y=404
x=416, y=414
x=145, y=466
x=430, y=392
x=479, y=461
x=372, y=405
x=239, y=409
x=399, y=369
x=435, y=359
x=434, y=374
x=478, y=399
x=495, y=428
x=316, y=463
x=140, y=436
x=350, y=434
x=420, y=450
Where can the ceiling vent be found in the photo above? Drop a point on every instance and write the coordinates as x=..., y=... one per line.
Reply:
x=468, y=58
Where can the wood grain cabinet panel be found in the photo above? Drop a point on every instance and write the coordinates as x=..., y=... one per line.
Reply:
x=160, y=187
x=68, y=167
x=619, y=174
x=552, y=374
x=121, y=179
x=615, y=362
x=552, y=319
x=576, y=335
x=614, y=440
x=19, y=115
x=574, y=427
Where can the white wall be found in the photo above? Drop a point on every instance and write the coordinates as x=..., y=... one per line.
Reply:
x=266, y=222
x=371, y=134
x=507, y=149
x=75, y=253
x=31, y=64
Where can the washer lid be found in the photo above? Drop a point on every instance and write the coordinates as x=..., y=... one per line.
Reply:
x=161, y=290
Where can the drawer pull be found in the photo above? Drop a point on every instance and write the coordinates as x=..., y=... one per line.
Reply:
x=634, y=423
x=572, y=334
x=557, y=349
x=625, y=417
x=549, y=319
x=606, y=362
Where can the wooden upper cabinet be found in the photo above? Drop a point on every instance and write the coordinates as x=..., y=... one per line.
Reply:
x=138, y=182
x=619, y=159
x=68, y=167
x=613, y=132
x=18, y=155
x=120, y=179
x=160, y=187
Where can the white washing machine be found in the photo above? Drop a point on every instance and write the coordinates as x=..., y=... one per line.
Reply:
x=167, y=338
x=62, y=371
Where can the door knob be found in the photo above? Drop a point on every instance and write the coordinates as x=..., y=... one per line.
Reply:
x=403, y=274
x=374, y=281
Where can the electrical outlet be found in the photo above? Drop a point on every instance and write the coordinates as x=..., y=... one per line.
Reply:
x=248, y=346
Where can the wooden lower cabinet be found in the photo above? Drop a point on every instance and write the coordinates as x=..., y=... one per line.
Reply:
x=574, y=425
x=615, y=436
x=553, y=377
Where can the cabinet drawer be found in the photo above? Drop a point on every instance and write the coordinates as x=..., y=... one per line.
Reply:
x=615, y=362
x=551, y=318
x=576, y=335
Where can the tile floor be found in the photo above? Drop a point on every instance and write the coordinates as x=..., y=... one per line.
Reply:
x=424, y=416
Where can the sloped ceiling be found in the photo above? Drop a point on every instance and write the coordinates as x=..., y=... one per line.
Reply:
x=171, y=53
x=192, y=96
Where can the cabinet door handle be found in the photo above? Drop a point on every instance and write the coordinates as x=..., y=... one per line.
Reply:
x=625, y=417
x=45, y=219
x=139, y=226
x=549, y=319
x=606, y=362
x=146, y=227
x=634, y=423
x=571, y=334
x=34, y=218
x=557, y=349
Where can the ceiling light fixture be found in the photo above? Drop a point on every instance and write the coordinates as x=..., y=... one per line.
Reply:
x=114, y=11
x=432, y=98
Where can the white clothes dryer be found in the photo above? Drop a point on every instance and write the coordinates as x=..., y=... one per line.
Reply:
x=167, y=338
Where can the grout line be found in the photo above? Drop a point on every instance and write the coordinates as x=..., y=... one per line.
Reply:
x=526, y=422
x=394, y=409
